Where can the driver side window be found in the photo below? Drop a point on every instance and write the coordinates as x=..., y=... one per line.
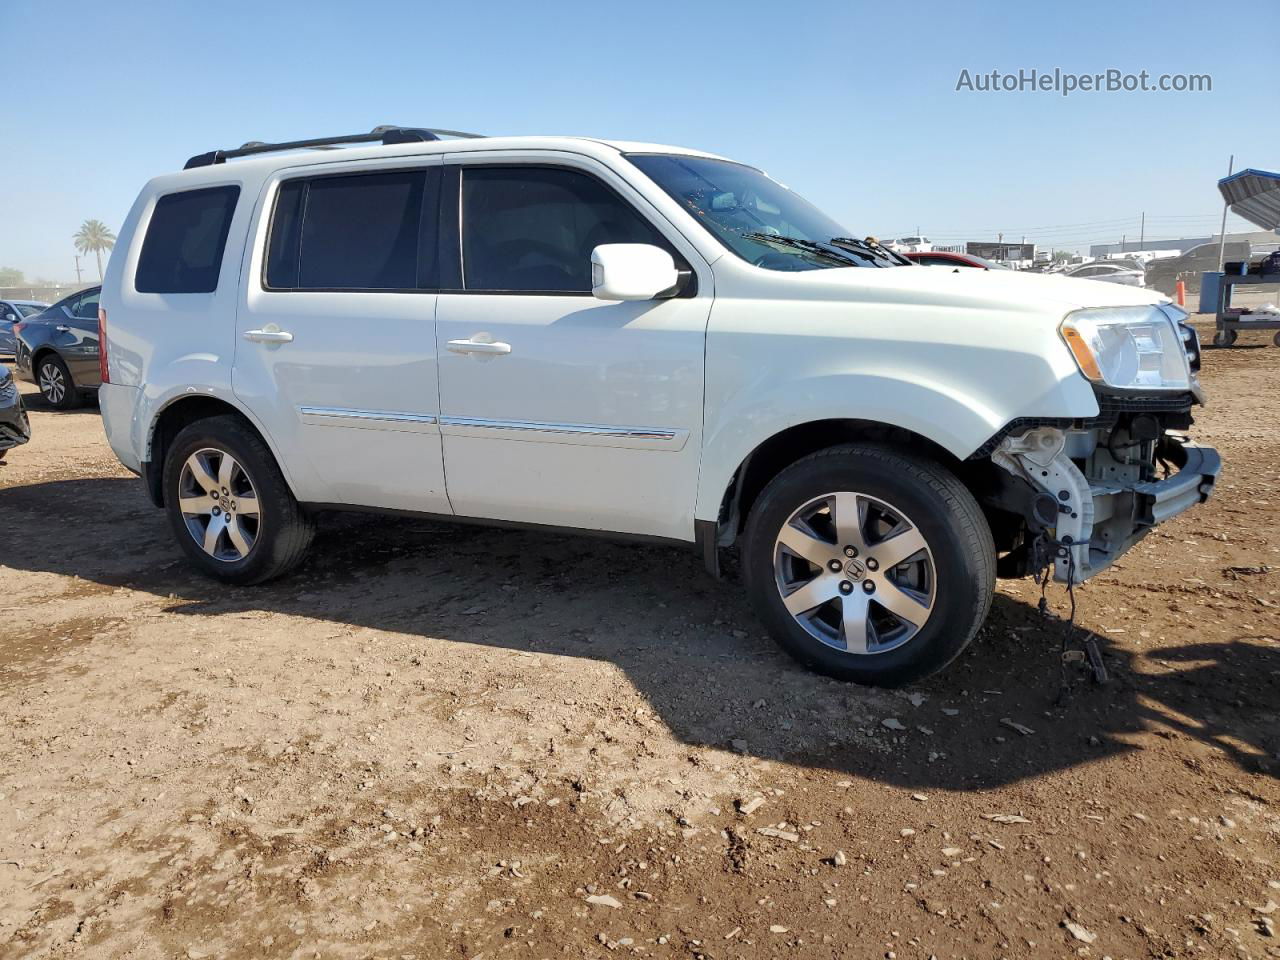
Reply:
x=532, y=229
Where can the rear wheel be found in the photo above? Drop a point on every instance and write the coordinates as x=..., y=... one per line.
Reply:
x=55, y=383
x=229, y=505
x=1224, y=338
x=869, y=565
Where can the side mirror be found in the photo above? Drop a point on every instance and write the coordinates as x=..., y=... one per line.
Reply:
x=631, y=271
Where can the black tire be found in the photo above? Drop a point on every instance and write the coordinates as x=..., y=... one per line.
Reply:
x=944, y=513
x=283, y=531
x=1225, y=338
x=50, y=369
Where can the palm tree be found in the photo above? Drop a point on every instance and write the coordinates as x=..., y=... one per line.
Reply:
x=94, y=237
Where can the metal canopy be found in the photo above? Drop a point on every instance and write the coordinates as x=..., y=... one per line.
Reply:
x=1254, y=195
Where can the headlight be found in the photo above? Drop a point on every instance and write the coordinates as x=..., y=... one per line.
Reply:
x=1128, y=347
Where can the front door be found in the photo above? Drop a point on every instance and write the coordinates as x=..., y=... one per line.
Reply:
x=335, y=349
x=558, y=408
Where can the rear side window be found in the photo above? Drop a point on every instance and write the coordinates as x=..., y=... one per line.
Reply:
x=358, y=232
x=532, y=229
x=87, y=306
x=182, y=251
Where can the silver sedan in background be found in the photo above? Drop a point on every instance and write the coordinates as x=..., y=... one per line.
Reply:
x=1128, y=272
x=11, y=311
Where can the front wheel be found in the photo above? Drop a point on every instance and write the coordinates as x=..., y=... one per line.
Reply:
x=229, y=506
x=869, y=565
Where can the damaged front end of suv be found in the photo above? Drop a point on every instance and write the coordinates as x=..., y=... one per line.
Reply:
x=1077, y=493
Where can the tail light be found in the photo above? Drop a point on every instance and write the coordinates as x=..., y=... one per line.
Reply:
x=104, y=369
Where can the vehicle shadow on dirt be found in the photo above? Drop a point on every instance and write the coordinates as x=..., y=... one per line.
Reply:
x=35, y=402
x=688, y=643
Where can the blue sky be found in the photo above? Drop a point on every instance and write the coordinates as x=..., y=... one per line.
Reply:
x=852, y=104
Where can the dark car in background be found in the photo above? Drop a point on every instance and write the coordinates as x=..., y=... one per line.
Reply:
x=1164, y=274
x=14, y=427
x=58, y=349
x=11, y=312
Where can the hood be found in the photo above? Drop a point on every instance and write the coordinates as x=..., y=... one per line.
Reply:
x=1002, y=290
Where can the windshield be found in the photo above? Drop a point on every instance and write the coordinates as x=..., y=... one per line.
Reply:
x=756, y=217
x=30, y=309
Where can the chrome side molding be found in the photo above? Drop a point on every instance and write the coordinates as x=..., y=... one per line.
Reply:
x=589, y=434
x=369, y=419
x=592, y=434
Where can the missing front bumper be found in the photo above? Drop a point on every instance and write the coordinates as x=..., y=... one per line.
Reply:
x=1095, y=517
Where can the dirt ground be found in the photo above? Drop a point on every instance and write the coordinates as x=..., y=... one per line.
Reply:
x=451, y=742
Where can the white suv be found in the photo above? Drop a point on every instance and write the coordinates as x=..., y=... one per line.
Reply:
x=637, y=340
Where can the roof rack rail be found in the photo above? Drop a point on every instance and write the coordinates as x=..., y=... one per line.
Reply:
x=387, y=134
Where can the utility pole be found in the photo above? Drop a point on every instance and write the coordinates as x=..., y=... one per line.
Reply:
x=1142, y=235
x=77, y=269
x=1222, y=240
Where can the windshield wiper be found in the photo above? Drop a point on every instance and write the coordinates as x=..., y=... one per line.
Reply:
x=874, y=249
x=808, y=246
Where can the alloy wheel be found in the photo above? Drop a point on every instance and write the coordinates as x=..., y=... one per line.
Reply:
x=219, y=504
x=855, y=573
x=52, y=383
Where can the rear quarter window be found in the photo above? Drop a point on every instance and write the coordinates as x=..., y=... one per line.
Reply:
x=182, y=251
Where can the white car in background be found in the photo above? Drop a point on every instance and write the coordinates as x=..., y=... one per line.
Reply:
x=1128, y=273
x=634, y=340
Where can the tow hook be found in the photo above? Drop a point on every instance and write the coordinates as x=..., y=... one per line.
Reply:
x=1066, y=505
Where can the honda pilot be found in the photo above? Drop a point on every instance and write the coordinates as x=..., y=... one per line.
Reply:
x=634, y=340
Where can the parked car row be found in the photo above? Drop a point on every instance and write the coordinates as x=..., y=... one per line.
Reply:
x=1126, y=272
x=57, y=349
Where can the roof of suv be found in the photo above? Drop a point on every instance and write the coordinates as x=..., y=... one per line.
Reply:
x=302, y=156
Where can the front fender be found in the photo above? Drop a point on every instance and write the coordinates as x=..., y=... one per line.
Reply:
x=959, y=420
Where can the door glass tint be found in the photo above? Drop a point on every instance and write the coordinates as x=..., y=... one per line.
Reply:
x=359, y=232
x=182, y=251
x=532, y=229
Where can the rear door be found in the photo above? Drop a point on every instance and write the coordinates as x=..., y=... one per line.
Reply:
x=335, y=349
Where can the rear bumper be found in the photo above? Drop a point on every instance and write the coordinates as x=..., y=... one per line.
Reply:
x=121, y=422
